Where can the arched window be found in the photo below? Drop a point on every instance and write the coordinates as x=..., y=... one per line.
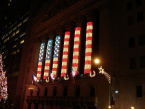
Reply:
x=31, y=92
x=92, y=91
x=36, y=106
x=45, y=91
x=77, y=92
x=38, y=91
x=65, y=91
x=29, y=105
x=54, y=91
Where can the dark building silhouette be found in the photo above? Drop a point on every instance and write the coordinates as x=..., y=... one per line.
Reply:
x=13, y=22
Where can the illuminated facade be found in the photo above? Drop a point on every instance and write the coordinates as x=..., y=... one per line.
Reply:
x=66, y=76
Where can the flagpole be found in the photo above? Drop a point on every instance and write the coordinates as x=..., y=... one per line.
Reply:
x=110, y=97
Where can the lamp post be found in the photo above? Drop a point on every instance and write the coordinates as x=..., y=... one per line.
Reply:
x=108, y=77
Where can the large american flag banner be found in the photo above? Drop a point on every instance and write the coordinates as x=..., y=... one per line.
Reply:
x=39, y=69
x=55, y=57
x=88, y=48
x=65, y=54
x=75, y=61
x=48, y=59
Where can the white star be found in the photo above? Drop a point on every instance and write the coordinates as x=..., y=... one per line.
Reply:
x=101, y=70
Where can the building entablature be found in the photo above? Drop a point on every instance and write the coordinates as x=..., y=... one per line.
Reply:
x=77, y=11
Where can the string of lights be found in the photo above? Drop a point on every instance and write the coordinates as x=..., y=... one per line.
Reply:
x=3, y=82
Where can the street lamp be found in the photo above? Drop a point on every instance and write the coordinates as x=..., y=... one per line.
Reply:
x=108, y=77
x=97, y=61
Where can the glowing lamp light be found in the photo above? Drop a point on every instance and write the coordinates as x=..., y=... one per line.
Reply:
x=132, y=107
x=116, y=91
x=97, y=61
x=109, y=107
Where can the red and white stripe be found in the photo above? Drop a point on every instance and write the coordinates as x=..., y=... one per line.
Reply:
x=76, y=48
x=65, y=54
x=55, y=67
x=46, y=69
x=55, y=57
x=88, y=48
x=39, y=70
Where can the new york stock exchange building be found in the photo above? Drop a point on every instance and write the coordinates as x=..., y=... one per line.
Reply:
x=58, y=69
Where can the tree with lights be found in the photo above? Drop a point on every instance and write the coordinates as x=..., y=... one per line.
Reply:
x=3, y=82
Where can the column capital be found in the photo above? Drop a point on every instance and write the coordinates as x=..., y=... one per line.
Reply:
x=52, y=34
x=69, y=25
x=44, y=38
x=79, y=20
x=60, y=30
x=89, y=16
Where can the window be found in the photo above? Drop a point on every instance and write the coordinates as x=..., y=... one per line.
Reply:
x=22, y=34
x=16, y=39
x=14, y=28
x=14, y=46
x=10, y=32
x=17, y=31
x=19, y=24
x=13, y=34
x=130, y=20
x=22, y=41
x=36, y=106
x=142, y=39
x=31, y=92
x=132, y=63
x=65, y=91
x=45, y=91
x=138, y=91
x=129, y=5
x=54, y=91
x=142, y=61
x=29, y=105
x=131, y=42
x=140, y=17
x=138, y=3
x=6, y=40
x=38, y=91
x=25, y=20
x=92, y=91
x=77, y=92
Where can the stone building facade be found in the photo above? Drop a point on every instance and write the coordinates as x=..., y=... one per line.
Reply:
x=109, y=43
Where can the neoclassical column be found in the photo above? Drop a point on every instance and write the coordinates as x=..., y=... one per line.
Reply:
x=40, y=68
x=57, y=57
x=93, y=16
x=76, y=47
x=88, y=45
x=49, y=55
x=66, y=59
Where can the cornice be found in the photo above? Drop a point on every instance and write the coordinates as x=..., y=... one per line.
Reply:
x=81, y=8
